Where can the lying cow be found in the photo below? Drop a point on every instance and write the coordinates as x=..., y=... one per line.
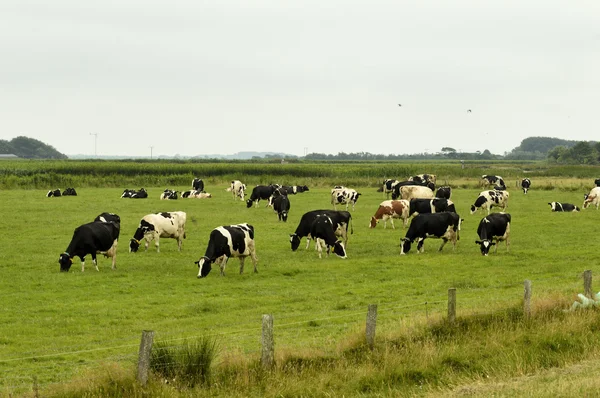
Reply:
x=281, y=205
x=53, y=192
x=558, y=206
x=294, y=189
x=525, y=184
x=343, y=195
x=592, y=198
x=69, y=192
x=228, y=241
x=494, y=227
x=168, y=194
x=489, y=199
x=435, y=205
x=133, y=194
x=193, y=194
x=159, y=225
x=445, y=226
x=390, y=209
x=341, y=220
x=91, y=238
x=322, y=230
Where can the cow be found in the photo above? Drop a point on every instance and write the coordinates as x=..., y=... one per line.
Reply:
x=168, y=194
x=558, y=206
x=53, y=192
x=399, y=188
x=322, y=230
x=91, y=238
x=435, y=205
x=228, y=241
x=525, y=184
x=198, y=185
x=388, y=187
x=443, y=192
x=487, y=180
x=488, y=199
x=597, y=182
x=193, y=194
x=237, y=189
x=445, y=226
x=141, y=194
x=390, y=209
x=108, y=217
x=294, y=189
x=493, y=227
x=592, y=198
x=69, y=192
x=261, y=192
x=127, y=193
x=341, y=220
x=281, y=205
x=159, y=225
x=345, y=196
x=425, y=178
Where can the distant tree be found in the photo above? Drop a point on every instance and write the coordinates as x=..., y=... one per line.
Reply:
x=30, y=148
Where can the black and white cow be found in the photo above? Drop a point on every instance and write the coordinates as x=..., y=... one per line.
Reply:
x=261, y=192
x=169, y=194
x=238, y=189
x=489, y=199
x=91, y=238
x=281, y=205
x=225, y=242
x=525, y=184
x=445, y=226
x=198, y=184
x=53, y=192
x=347, y=196
x=424, y=178
x=159, y=225
x=294, y=189
x=488, y=179
x=435, y=205
x=558, y=206
x=443, y=192
x=108, y=217
x=388, y=187
x=340, y=219
x=322, y=230
x=141, y=194
x=597, y=182
x=69, y=192
x=493, y=227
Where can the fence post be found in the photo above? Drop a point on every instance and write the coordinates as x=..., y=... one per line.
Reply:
x=452, y=305
x=527, y=300
x=371, y=323
x=587, y=284
x=144, y=356
x=268, y=346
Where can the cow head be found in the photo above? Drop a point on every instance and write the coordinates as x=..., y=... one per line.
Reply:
x=65, y=262
x=249, y=203
x=474, y=209
x=405, y=244
x=204, y=266
x=338, y=248
x=373, y=222
x=552, y=206
x=295, y=241
x=284, y=215
x=134, y=245
x=485, y=246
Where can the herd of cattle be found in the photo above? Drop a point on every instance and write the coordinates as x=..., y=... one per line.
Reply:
x=433, y=216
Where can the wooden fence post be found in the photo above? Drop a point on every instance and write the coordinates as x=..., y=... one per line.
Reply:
x=371, y=323
x=268, y=346
x=587, y=284
x=144, y=356
x=527, y=300
x=452, y=305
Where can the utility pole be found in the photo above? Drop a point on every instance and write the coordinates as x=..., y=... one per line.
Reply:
x=95, y=144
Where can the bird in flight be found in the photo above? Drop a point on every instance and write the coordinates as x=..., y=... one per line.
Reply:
x=399, y=104
x=468, y=110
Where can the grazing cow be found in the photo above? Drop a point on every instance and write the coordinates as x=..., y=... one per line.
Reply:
x=341, y=220
x=388, y=187
x=592, y=198
x=597, y=182
x=198, y=184
x=261, y=192
x=525, y=184
x=390, y=209
x=409, y=192
x=108, y=217
x=487, y=180
x=281, y=205
x=55, y=192
x=294, y=189
x=159, y=225
x=345, y=196
x=237, y=189
x=228, y=241
x=69, y=192
x=444, y=225
x=435, y=205
x=425, y=178
x=443, y=192
x=400, y=187
x=558, y=206
x=493, y=227
x=322, y=230
x=91, y=238
x=488, y=199
x=168, y=194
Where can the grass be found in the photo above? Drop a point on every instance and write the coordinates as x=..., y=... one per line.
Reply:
x=60, y=326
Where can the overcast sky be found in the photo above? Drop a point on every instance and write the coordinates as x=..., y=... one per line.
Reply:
x=195, y=77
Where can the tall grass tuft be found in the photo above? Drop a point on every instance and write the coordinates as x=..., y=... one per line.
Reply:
x=187, y=365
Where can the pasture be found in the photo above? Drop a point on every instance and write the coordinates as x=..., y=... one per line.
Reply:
x=55, y=326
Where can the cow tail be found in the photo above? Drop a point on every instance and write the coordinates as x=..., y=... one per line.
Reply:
x=351, y=227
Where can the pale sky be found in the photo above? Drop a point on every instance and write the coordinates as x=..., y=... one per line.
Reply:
x=193, y=77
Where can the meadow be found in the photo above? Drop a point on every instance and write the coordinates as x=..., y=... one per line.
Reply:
x=56, y=327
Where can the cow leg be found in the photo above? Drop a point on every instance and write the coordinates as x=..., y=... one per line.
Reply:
x=94, y=261
x=308, y=239
x=223, y=264
x=242, y=259
x=444, y=240
x=252, y=250
x=420, y=248
x=392, y=222
x=318, y=247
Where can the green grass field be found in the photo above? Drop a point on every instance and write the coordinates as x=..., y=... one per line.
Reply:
x=55, y=326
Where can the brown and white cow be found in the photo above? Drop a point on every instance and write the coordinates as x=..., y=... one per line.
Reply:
x=592, y=198
x=390, y=209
